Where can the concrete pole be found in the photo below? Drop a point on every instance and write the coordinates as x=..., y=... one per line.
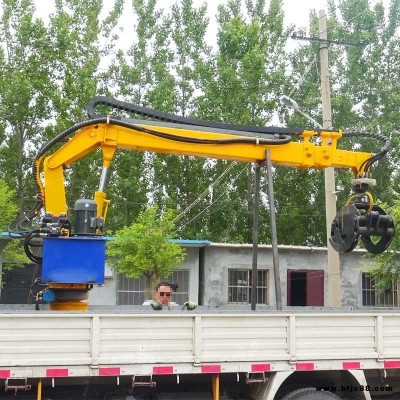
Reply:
x=334, y=281
x=257, y=178
x=274, y=236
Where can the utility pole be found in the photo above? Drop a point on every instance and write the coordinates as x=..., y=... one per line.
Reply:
x=334, y=281
x=256, y=214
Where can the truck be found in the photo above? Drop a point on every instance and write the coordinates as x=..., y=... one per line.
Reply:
x=257, y=355
x=202, y=354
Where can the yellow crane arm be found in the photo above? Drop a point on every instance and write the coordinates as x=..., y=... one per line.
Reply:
x=139, y=137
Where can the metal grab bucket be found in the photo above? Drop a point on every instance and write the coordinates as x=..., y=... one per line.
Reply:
x=350, y=225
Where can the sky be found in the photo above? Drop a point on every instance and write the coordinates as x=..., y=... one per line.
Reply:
x=296, y=11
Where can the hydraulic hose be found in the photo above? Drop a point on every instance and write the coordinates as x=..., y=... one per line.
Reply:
x=27, y=246
x=367, y=164
x=168, y=117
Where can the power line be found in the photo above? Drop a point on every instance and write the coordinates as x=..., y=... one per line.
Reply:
x=324, y=41
x=205, y=193
x=223, y=193
x=301, y=80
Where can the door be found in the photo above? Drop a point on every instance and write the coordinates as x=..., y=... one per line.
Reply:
x=315, y=288
x=305, y=288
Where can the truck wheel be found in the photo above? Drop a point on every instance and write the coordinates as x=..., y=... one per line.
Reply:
x=310, y=394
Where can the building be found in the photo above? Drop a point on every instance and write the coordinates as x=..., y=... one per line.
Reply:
x=219, y=275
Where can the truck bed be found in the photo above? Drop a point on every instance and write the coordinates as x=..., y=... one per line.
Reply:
x=168, y=342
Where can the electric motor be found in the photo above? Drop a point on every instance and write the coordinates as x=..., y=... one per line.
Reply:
x=85, y=217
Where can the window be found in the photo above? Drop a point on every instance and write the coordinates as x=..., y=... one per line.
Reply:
x=131, y=291
x=371, y=297
x=239, y=286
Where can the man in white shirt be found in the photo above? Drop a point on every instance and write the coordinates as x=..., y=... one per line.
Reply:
x=162, y=296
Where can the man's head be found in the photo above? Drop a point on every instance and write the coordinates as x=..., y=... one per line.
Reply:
x=164, y=293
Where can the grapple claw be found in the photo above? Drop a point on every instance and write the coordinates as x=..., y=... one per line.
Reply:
x=349, y=226
x=377, y=224
x=344, y=229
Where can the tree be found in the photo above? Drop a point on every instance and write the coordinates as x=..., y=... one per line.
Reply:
x=79, y=38
x=240, y=84
x=144, y=248
x=363, y=92
x=12, y=255
x=366, y=77
x=48, y=73
x=142, y=77
x=179, y=180
x=386, y=266
x=24, y=92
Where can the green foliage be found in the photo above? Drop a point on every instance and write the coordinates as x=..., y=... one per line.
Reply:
x=49, y=70
x=141, y=76
x=80, y=35
x=24, y=86
x=143, y=248
x=8, y=208
x=386, y=266
x=13, y=254
x=363, y=92
x=365, y=76
x=240, y=83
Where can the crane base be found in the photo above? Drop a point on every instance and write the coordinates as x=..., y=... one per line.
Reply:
x=69, y=305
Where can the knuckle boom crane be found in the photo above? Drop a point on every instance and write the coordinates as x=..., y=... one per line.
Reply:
x=73, y=257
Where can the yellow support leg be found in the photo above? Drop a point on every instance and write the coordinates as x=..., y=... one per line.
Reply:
x=215, y=386
x=39, y=390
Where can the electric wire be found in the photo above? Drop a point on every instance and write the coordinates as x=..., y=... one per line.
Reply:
x=205, y=209
x=302, y=78
x=204, y=193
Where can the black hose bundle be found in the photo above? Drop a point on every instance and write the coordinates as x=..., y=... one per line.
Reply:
x=367, y=164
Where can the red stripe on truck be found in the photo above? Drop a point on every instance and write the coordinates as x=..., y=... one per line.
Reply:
x=169, y=369
x=210, y=369
x=305, y=367
x=5, y=373
x=352, y=365
x=109, y=371
x=260, y=367
x=56, y=372
x=391, y=364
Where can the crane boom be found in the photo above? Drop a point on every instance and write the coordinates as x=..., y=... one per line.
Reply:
x=221, y=144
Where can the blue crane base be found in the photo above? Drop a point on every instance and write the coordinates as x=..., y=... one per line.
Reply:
x=77, y=259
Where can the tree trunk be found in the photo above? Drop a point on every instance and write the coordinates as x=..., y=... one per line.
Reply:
x=150, y=287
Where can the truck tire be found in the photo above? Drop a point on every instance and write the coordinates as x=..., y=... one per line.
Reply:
x=310, y=394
